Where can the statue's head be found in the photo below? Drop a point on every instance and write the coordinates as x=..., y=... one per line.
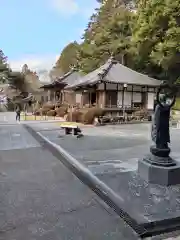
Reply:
x=162, y=98
x=165, y=96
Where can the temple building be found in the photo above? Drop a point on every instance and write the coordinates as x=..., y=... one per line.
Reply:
x=114, y=86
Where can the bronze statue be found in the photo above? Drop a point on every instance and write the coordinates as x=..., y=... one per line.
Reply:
x=160, y=126
x=159, y=167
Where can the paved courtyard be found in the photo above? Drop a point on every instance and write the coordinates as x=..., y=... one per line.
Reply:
x=41, y=199
x=108, y=149
x=111, y=153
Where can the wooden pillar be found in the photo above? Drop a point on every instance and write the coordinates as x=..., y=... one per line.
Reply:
x=81, y=103
x=104, y=97
x=95, y=90
x=90, y=97
x=82, y=98
x=124, y=91
x=145, y=97
x=132, y=97
x=123, y=97
x=49, y=95
x=54, y=96
x=117, y=95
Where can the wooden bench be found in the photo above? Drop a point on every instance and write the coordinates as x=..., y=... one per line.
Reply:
x=72, y=129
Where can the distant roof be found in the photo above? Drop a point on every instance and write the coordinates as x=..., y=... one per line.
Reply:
x=71, y=78
x=55, y=84
x=67, y=79
x=114, y=72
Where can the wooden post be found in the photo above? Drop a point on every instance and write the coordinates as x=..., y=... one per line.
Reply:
x=132, y=97
x=90, y=98
x=104, y=96
x=54, y=96
x=124, y=88
x=123, y=100
x=71, y=110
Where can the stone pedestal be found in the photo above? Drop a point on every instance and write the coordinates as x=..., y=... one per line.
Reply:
x=152, y=170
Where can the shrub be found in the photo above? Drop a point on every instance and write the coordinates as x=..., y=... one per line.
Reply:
x=141, y=113
x=56, y=109
x=37, y=106
x=51, y=113
x=58, y=105
x=75, y=116
x=79, y=116
x=65, y=105
x=177, y=104
x=88, y=117
x=62, y=111
x=44, y=111
x=48, y=106
x=37, y=113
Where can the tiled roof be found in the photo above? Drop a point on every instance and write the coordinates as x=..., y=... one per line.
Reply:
x=54, y=84
x=67, y=79
x=70, y=78
x=114, y=72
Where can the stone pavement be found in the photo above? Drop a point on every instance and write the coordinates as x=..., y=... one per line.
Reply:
x=108, y=151
x=7, y=117
x=41, y=199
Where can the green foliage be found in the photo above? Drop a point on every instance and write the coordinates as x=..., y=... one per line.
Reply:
x=177, y=104
x=3, y=67
x=108, y=33
x=156, y=37
x=3, y=60
x=68, y=57
x=146, y=40
x=16, y=80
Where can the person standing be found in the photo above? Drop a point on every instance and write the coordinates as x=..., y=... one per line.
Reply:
x=18, y=114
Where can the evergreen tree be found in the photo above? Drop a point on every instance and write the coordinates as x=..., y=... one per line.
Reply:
x=108, y=33
x=3, y=67
x=68, y=57
x=156, y=37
